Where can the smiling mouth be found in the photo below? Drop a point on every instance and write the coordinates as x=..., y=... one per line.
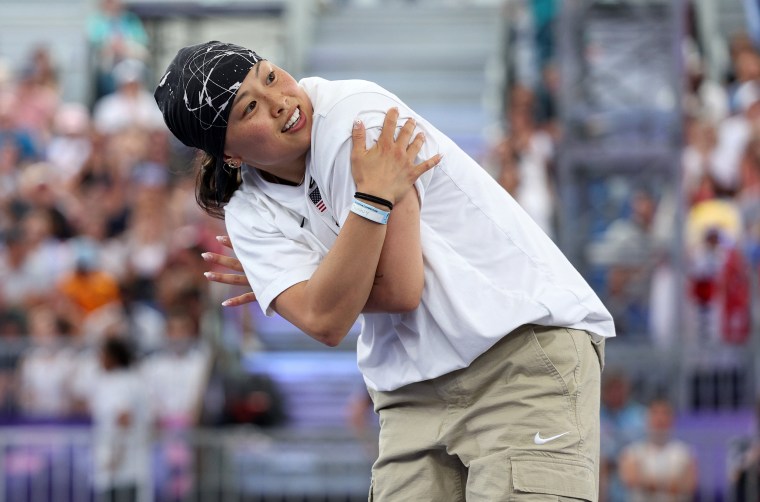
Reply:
x=292, y=120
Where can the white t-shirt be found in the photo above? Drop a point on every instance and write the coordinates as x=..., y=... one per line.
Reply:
x=488, y=268
x=176, y=382
x=664, y=463
x=44, y=373
x=116, y=112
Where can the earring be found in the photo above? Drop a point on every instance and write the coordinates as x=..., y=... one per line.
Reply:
x=229, y=167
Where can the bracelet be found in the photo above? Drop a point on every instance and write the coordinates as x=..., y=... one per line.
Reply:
x=372, y=198
x=370, y=212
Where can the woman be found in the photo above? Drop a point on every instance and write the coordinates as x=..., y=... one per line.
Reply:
x=481, y=346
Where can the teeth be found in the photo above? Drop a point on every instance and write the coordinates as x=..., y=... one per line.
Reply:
x=293, y=119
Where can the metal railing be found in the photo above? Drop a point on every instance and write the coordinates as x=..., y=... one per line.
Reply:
x=55, y=464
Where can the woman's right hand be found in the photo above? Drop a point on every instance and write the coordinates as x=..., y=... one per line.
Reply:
x=388, y=169
x=238, y=279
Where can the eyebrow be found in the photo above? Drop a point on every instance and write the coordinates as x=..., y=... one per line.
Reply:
x=239, y=97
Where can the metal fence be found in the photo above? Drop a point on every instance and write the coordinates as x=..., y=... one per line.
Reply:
x=55, y=464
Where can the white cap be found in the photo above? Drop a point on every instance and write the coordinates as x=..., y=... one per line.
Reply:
x=128, y=71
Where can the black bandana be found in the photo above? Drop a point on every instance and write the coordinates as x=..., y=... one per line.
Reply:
x=196, y=93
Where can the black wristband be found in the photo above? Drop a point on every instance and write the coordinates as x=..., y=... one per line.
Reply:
x=372, y=198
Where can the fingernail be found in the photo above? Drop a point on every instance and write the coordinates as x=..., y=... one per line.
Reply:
x=226, y=303
x=206, y=256
x=208, y=275
x=357, y=123
x=221, y=238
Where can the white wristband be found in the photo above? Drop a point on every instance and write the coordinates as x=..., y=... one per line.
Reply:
x=370, y=212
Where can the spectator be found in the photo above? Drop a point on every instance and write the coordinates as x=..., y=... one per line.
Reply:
x=71, y=143
x=623, y=421
x=130, y=105
x=121, y=426
x=534, y=150
x=37, y=89
x=88, y=287
x=745, y=62
x=17, y=282
x=734, y=135
x=44, y=368
x=252, y=399
x=659, y=468
x=748, y=198
x=100, y=189
x=147, y=237
x=704, y=96
x=176, y=378
x=508, y=172
x=176, y=375
x=744, y=465
x=37, y=260
x=13, y=137
x=629, y=249
x=37, y=191
x=719, y=291
x=114, y=34
x=699, y=160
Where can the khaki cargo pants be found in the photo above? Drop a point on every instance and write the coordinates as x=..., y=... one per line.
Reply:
x=521, y=423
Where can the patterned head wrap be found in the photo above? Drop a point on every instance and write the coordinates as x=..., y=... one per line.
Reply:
x=196, y=93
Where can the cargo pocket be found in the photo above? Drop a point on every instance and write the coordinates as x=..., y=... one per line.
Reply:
x=533, y=480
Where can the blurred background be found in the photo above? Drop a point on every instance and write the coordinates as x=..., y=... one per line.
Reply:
x=628, y=129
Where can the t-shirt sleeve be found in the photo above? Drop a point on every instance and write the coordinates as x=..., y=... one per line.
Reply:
x=370, y=108
x=272, y=262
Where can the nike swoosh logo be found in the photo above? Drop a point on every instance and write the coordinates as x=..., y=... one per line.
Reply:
x=539, y=440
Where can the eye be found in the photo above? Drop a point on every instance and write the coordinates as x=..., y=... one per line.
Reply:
x=248, y=109
x=270, y=77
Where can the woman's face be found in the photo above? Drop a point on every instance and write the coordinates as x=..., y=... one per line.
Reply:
x=270, y=122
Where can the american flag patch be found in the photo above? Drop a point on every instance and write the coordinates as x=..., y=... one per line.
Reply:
x=316, y=199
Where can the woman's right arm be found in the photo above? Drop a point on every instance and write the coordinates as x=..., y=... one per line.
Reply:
x=398, y=282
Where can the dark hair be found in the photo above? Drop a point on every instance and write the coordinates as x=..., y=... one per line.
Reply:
x=120, y=351
x=214, y=185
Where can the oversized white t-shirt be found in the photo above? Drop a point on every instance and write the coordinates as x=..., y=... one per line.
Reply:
x=488, y=268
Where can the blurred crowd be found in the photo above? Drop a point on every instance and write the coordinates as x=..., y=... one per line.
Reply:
x=105, y=315
x=100, y=239
x=629, y=254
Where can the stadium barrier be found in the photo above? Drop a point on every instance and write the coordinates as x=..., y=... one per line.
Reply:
x=55, y=464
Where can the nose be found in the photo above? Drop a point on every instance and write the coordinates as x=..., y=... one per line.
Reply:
x=279, y=106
